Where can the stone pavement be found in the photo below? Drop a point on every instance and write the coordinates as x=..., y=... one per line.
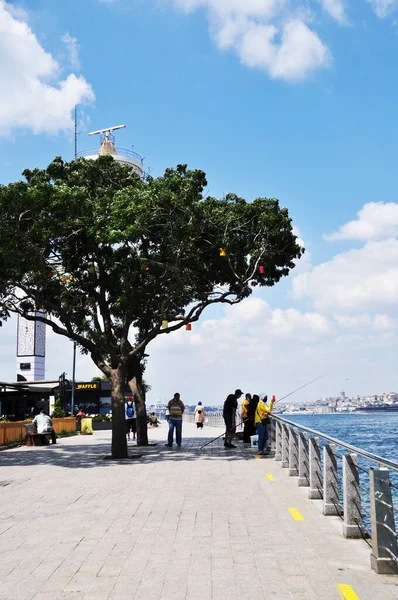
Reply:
x=172, y=525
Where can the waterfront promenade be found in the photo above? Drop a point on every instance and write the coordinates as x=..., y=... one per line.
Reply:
x=172, y=525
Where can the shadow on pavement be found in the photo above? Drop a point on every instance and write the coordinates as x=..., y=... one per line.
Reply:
x=86, y=456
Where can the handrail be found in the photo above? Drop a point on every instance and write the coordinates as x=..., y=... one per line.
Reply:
x=378, y=459
x=119, y=152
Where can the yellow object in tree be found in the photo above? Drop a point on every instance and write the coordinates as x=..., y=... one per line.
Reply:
x=222, y=252
x=165, y=324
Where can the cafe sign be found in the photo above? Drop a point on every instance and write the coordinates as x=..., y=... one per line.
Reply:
x=87, y=386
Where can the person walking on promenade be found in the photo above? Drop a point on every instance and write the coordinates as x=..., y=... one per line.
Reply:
x=261, y=421
x=229, y=415
x=200, y=415
x=131, y=419
x=247, y=422
x=176, y=409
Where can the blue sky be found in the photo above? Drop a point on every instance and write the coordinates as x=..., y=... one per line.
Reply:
x=290, y=99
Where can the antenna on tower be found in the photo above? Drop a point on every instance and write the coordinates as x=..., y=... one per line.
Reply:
x=76, y=131
x=106, y=134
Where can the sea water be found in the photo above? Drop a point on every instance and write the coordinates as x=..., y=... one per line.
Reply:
x=374, y=432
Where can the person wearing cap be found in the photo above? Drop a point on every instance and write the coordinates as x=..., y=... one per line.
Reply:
x=229, y=414
x=261, y=420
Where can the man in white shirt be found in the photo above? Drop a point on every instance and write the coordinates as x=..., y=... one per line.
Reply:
x=44, y=425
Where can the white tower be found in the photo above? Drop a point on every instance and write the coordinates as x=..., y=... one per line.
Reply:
x=31, y=348
x=121, y=155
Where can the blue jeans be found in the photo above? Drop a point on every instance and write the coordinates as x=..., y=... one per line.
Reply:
x=177, y=424
x=262, y=432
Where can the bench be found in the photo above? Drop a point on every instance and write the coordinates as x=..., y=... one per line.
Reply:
x=32, y=438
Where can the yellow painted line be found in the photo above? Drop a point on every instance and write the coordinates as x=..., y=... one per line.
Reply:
x=257, y=457
x=270, y=477
x=347, y=592
x=296, y=514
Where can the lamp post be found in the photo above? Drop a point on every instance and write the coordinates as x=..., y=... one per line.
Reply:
x=73, y=378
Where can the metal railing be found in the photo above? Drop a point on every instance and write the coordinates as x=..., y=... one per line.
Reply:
x=214, y=419
x=119, y=152
x=360, y=495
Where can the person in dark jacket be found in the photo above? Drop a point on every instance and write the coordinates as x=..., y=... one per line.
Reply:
x=229, y=414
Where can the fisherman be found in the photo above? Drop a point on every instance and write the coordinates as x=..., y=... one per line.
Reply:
x=229, y=414
x=261, y=420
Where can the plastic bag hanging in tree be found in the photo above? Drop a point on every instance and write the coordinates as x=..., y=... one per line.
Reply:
x=222, y=252
x=261, y=270
x=188, y=327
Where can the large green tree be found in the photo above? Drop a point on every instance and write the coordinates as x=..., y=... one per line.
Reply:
x=112, y=262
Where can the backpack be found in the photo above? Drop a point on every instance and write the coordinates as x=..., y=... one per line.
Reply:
x=130, y=411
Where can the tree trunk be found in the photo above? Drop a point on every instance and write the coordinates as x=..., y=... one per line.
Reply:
x=138, y=392
x=119, y=441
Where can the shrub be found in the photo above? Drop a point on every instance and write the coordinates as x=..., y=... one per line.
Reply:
x=58, y=412
x=101, y=419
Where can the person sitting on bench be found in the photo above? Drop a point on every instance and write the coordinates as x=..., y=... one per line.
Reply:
x=44, y=425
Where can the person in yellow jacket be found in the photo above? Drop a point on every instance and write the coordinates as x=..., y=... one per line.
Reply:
x=261, y=420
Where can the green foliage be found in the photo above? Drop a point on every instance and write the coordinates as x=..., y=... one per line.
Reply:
x=99, y=252
x=65, y=433
x=58, y=412
x=101, y=419
x=98, y=379
x=88, y=241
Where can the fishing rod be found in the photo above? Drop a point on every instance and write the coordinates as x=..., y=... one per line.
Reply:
x=301, y=387
x=283, y=398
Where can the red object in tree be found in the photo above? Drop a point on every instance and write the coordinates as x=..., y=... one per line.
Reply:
x=50, y=274
x=261, y=270
x=188, y=327
x=63, y=280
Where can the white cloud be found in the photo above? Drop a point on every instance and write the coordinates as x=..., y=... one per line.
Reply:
x=376, y=221
x=294, y=57
x=73, y=49
x=384, y=323
x=383, y=8
x=356, y=280
x=336, y=9
x=33, y=95
x=266, y=34
x=253, y=346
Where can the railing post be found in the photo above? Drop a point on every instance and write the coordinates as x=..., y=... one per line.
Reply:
x=303, y=472
x=285, y=446
x=352, y=498
x=272, y=435
x=278, y=441
x=330, y=481
x=315, y=491
x=293, y=452
x=384, y=541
